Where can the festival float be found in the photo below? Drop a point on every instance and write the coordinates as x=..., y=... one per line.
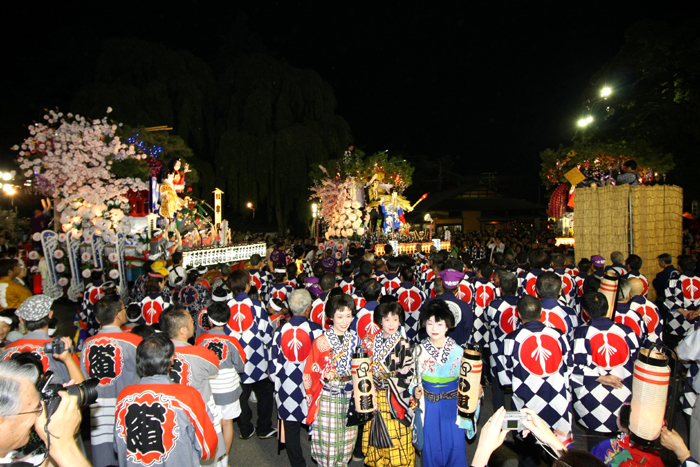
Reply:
x=361, y=199
x=596, y=215
x=111, y=210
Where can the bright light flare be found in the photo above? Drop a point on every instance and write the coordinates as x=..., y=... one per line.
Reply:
x=605, y=92
x=6, y=176
x=250, y=205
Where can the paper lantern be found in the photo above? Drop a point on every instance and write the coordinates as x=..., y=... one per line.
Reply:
x=469, y=382
x=649, y=396
x=362, y=383
x=608, y=287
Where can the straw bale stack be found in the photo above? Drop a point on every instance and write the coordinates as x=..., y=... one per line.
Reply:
x=603, y=223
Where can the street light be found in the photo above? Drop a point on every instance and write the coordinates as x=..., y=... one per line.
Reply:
x=314, y=209
x=585, y=121
x=605, y=92
x=250, y=206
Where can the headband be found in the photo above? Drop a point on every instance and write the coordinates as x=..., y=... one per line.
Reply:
x=280, y=271
x=5, y=319
x=215, y=323
x=155, y=274
x=275, y=306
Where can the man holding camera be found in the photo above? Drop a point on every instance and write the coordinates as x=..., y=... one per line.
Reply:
x=55, y=354
x=21, y=408
x=110, y=357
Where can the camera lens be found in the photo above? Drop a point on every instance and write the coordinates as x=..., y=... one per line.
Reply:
x=86, y=391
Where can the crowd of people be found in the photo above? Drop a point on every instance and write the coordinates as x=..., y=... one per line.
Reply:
x=178, y=366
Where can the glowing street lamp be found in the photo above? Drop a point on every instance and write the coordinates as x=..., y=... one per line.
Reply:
x=250, y=206
x=314, y=210
x=605, y=92
x=585, y=121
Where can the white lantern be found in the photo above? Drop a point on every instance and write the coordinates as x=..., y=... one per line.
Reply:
x=649, y=396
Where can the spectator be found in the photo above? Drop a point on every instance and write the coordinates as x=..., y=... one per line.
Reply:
x=12, y=294
x=21, y=409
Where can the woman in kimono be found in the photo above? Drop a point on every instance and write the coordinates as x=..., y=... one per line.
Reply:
x=392, y=371
x=328, y=384
x=439, y=361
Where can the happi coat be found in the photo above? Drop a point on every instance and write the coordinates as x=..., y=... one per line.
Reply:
x=162, y=423
x=109, y=356
x=291, y=347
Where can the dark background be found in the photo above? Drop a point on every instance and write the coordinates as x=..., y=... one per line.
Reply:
x=488, y=85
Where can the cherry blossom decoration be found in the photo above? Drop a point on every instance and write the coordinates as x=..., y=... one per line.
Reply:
x=338, y=208
x=70, y=158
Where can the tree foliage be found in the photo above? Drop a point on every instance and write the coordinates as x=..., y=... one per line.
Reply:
x=595, y=156
x=255, y=126
x=655, y=78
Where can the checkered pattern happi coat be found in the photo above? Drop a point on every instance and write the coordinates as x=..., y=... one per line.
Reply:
x=281, y=292
x=263, y=280
x=569, y=289
x=559, y=317
x=624, y=315
x=502, y=318
x=465, y=291
x=652, y=318
x=249, y=323
x=411, y=298
x=601, y=347
x=682, y=292
x=484, y=293
x=527, y=281
x=291, y=346
x=153, y=304
x=536, y=360
x=390, y=281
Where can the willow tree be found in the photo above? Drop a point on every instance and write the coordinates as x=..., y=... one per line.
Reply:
x=280, y=121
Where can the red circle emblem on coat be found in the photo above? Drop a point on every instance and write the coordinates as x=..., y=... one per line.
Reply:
x=464, y=292
x=629, y=322
x=410, y=300
x=241, y=317
x=553, y=320
x=509, y=320
x=484, y=295
x=609, y=350
x=296, y=344
x=691, y=288
x=541, y=355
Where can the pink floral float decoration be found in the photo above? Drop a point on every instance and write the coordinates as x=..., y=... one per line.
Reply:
x=69, y=158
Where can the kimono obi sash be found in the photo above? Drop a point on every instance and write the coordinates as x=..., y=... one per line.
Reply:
x=435, y=392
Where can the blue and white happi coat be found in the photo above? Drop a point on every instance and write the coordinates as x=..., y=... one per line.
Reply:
x=250, y=324
x=264, y=281
x=624, y=315
x=484, y=294
x=682, y=292
x=602, y=347
x=536, y=360
x=502, y=318
x=563, y=318
x=651, y=316
x=290, y=349
x=411, y=299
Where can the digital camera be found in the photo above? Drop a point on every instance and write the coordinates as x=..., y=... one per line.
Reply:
x=55, y=347
x=86, y=392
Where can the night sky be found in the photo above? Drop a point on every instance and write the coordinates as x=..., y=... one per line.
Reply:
x=490, y=85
